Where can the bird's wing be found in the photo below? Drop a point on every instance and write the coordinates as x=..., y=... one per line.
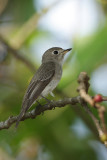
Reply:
x=40, y=80
x=38, y=83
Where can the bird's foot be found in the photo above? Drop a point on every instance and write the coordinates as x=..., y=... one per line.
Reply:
x=46, y=99
x=39, y=105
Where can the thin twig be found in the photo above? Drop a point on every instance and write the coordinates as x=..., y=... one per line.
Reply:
x=95, y=120
x=100, y=108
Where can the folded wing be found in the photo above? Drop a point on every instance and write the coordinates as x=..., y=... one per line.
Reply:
x=38, y=83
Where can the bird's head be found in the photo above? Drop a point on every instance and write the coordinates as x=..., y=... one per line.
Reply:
x=55, y=54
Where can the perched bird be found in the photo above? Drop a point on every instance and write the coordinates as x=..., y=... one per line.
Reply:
x=46, y=78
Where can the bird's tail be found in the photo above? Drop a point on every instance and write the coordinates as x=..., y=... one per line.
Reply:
x=22, y=113
x=25, y=107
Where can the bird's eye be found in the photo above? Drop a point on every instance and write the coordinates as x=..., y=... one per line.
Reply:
x=55, y=52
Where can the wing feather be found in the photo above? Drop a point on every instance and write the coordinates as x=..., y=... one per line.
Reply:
x=38, y=83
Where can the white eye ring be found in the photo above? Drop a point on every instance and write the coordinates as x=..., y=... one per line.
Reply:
x=55, y=52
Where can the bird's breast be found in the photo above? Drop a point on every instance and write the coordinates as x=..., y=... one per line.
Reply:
x=54, y=82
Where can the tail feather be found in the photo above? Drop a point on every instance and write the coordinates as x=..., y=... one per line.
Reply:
x=22, y=113
x=25, y=107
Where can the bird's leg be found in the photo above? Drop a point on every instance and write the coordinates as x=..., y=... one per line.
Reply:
x=39, y=103
x=46, y=99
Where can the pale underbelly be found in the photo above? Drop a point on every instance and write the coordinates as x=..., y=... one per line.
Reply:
x=50, y=87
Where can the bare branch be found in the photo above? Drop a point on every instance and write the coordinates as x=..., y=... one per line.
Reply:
x=95, y=120
x=40, y=109
x=83, y=99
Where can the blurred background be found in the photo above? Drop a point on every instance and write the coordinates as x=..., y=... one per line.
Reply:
x=28, y=28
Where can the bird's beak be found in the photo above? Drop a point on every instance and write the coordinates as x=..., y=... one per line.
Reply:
x=67, y=50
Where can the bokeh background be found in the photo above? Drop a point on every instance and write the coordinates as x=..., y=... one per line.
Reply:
x=30, y=27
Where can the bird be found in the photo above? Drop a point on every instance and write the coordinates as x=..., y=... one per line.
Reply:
x=45, y=79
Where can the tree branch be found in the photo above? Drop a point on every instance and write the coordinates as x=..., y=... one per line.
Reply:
x=40, y=109
x=83, y=99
